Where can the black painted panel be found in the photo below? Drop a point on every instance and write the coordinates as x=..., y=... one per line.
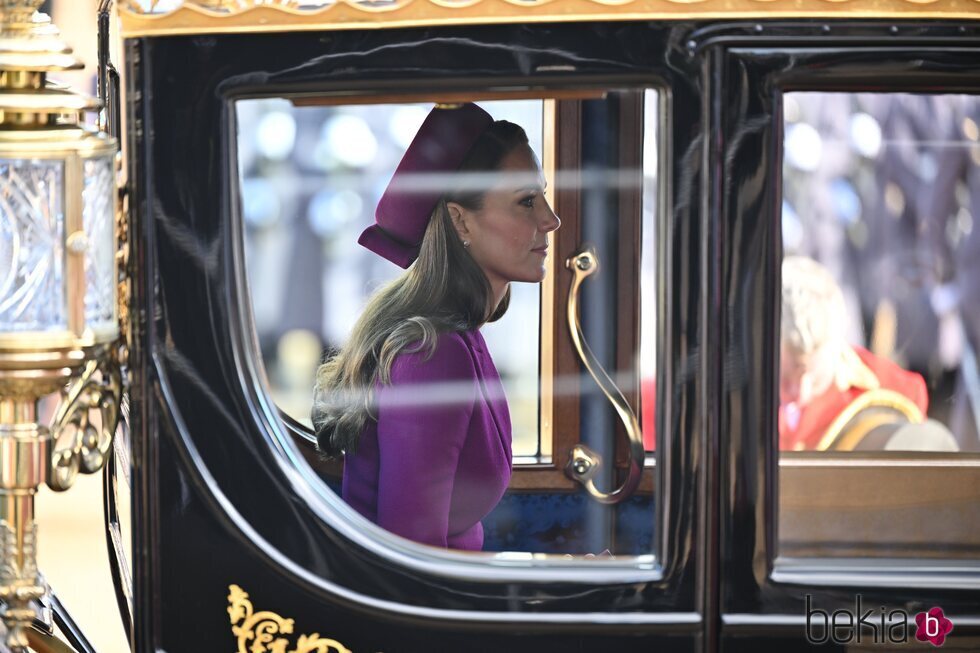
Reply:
x=219, y=500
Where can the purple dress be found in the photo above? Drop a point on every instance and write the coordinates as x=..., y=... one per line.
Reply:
x=439, y=457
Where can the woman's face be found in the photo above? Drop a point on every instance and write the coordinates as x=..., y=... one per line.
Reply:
x=804, y=377
x=508, y=236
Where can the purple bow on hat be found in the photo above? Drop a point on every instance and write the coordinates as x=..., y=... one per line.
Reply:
x=440, y=146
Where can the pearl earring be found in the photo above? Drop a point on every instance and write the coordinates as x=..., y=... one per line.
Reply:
x=466, y=243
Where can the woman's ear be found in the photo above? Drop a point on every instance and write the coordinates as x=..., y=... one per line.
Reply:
x=460, y=217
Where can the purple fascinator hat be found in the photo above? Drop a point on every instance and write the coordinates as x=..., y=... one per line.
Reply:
x=440, y=146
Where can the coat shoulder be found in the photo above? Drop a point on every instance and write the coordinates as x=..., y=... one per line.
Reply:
x=449, y=357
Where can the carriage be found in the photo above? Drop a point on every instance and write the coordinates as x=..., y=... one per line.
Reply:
x=689, y=147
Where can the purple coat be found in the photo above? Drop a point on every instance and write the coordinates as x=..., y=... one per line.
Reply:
x=439, y=457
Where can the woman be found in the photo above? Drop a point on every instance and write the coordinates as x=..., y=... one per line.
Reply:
x=821, y=375
x=413, y=401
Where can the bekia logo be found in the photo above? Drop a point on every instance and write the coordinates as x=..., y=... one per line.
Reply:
x=932, y=626
x=878, y=626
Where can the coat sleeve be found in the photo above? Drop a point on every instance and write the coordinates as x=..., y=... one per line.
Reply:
x=423, y=418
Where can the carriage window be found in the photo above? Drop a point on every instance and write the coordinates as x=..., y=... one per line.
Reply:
x=879, y=388
x=311, y=177
x=311, y=174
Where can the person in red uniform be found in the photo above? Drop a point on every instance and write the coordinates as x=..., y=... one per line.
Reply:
x=821, y=374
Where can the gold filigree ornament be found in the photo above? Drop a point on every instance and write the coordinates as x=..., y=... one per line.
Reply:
x=258, y=632
x=19, y=580
x=79, y=444
x=169, y=17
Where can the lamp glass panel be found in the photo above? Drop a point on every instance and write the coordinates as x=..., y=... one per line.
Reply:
x=98, y=220
x=32, y=212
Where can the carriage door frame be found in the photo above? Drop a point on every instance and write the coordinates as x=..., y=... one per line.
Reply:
x=747, y=67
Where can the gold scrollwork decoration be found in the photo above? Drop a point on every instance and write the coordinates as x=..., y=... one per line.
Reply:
x=149, y=18
x=258, y=632
x=79, y=444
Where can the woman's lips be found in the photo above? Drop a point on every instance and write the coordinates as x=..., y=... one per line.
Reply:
x=541, y=250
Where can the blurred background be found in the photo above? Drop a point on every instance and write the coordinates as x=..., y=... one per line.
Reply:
x=883, y=190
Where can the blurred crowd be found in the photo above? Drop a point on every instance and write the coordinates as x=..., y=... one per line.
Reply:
x=882, y=190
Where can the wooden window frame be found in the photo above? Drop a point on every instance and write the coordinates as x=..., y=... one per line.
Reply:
x=560, y=423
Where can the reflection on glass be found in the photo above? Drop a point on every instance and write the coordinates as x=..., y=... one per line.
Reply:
x=648, y=276
x=880, y=327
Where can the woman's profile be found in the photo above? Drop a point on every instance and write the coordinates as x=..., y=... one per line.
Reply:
x=413, y=401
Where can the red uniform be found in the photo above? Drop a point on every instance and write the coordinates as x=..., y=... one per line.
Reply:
x=813, y=420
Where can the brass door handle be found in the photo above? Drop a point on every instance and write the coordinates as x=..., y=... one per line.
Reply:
x=583, y=463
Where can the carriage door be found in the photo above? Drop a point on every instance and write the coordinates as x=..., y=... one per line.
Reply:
x=256, y=176
x=849, y=506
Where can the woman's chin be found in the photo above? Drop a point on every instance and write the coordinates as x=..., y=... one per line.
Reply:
x=538, y=276
x=535, y=274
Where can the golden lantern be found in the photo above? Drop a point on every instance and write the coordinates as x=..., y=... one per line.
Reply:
x=58, y=292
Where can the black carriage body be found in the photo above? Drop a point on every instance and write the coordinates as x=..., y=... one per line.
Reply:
x=219, y=496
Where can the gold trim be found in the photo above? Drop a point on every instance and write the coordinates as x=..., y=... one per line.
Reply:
x=45, y=341
x=876, y=397
x=20, y=583
x=51, y=144
x=199, y=16
x=856, y=433
x=546, y=356
x=46, y=101
x=259, y=632
x=75, y=281
x=78, y=445
x=124, y=282
x=41, y=642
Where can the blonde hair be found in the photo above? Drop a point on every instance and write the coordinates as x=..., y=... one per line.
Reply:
x=813, y=313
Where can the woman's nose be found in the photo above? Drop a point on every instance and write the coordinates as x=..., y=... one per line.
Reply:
x=550, y=221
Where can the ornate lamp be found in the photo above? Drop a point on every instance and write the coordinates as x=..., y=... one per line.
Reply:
x=58, y=292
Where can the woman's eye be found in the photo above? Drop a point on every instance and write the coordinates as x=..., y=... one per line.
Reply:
x=528, y=201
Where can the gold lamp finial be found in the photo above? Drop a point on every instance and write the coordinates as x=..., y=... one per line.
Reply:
x=18, y=12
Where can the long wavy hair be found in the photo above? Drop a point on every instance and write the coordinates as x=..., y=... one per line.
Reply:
x=444, y=290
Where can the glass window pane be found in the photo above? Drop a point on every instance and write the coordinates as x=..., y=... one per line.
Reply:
x=311, y=176
x=880, y=325
x=32, y=286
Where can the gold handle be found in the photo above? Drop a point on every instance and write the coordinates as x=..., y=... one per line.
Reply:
x=583, y=463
